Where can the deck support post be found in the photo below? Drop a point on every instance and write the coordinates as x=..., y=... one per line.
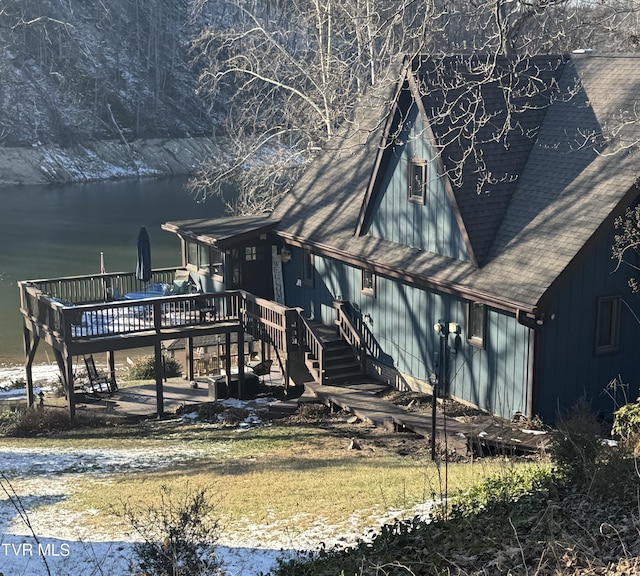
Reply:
x=158, y=370
x=30, y=348
x=189, y=358
x=71, y=396
x=227, y=359
x=111, y=361
x=65, y=365
x=241, y=387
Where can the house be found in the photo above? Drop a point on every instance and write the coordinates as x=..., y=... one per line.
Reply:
x=464, y=223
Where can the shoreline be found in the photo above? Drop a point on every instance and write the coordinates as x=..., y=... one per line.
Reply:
x=104, y=160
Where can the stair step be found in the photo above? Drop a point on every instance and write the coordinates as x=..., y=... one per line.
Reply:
x=342, y=366
x=342, y=377
x=339, y=357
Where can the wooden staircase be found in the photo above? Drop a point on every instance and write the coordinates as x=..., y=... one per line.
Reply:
x=328, y=357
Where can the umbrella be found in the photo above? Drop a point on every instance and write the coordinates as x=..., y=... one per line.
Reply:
x=143, y=267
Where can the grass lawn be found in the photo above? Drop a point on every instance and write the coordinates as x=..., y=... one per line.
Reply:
x=292, y=473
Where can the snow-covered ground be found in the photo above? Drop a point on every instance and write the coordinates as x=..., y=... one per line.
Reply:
x=44, y=375
x=64, y=543
x=39, y=533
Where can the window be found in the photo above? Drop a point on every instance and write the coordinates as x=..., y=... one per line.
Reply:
x=192, y=254
x=417, y=181
x=476, y=321
x=206, y=259
x=236, y=271
x=307, y=267
x=608, y=325
x=368, y=283
x=253, y=253
x=217, y=262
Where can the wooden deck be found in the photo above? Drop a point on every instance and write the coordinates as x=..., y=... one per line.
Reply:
x=362, y=400
x=105, y=313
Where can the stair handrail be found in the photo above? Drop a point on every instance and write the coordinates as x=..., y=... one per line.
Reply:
x=273, y=323
x=310, y=339
x=350, y=333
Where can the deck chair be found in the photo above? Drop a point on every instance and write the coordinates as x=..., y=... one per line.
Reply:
x=98, y=381
x=262, y=369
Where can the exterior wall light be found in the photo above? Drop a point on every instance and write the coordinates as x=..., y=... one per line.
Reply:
x=285, y=256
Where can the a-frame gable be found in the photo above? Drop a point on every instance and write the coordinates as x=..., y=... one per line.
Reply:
x=394, y=209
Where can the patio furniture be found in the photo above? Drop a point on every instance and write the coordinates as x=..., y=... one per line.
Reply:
x=262, y=369
x=99, y=382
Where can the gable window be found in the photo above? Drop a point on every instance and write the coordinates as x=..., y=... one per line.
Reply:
x=476, y=323
x=417, y=180
x=608, y=325
x=307, y=267
x=368, y=283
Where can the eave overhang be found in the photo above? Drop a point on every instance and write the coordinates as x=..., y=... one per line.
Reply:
x=222, y=233
x=422, y=281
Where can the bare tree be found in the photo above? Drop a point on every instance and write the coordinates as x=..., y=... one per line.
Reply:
x=626, y=245
x=289, y=74
x=281, y=77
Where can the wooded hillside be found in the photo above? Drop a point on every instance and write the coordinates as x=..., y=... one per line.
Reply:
x=76, y=71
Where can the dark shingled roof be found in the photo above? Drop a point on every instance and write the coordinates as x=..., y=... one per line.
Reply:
x=221, y=232
x=528, y=228
x=509, y=98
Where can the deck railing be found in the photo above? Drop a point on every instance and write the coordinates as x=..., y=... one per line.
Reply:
x=356, y=332
x=72, y=309
x=74, y=290
x=351, y=333
x=312, y=342
x=269, y=321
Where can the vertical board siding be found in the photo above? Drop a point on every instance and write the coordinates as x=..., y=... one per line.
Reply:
x=569, y=367
x=402, y=320
x=431, y=227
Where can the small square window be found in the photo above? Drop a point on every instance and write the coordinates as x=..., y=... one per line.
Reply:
x=476, y=323
x=417, y=181
x=368, y=283
x=608, y=325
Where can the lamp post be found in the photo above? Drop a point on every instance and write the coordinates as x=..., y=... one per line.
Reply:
x=442, y=330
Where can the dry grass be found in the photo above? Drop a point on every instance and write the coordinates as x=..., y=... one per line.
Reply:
x=279, y=473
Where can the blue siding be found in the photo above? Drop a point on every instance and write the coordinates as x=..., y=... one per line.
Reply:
x=568, y=365
x=431, y=227
x=402, y=320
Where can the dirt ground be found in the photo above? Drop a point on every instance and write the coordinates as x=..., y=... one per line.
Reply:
x=361, y=435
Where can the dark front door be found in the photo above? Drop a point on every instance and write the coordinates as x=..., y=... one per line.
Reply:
x=251, y=269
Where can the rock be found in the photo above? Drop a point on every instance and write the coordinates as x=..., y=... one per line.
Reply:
x=352, y=419
x=354, y=445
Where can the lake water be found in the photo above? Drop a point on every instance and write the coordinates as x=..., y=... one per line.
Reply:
x=60, y=230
